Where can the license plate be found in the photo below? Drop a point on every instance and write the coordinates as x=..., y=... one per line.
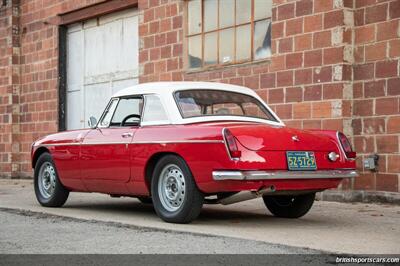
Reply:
x=301, y=160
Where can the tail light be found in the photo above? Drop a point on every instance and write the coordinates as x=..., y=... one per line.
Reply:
x=231, y=145
x=350, y=154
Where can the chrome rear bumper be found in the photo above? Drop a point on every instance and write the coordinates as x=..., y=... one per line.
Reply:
x=267, y=175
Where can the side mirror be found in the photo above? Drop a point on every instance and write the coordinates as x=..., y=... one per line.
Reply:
x=92, y=122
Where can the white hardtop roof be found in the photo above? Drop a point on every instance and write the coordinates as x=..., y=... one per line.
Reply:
x=171, y=86
x=165, y=92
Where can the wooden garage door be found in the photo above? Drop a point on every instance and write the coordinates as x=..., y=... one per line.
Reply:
x=102, y=58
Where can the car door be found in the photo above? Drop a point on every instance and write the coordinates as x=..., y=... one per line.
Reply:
x=105, y=154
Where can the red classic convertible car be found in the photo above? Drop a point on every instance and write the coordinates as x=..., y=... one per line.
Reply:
x=179, y=145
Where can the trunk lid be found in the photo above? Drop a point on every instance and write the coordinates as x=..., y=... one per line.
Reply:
x=273, y=138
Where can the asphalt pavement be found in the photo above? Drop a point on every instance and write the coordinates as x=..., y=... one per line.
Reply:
x=36, y=233
x=91, y=222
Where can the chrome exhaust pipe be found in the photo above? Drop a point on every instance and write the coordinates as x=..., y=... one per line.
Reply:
x=246, y=195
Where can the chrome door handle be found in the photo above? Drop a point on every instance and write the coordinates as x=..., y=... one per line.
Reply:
x=127, y=135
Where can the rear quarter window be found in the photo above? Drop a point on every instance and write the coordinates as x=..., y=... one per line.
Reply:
x=154, y=110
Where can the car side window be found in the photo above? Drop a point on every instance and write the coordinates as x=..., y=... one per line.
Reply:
x=127, y=112
x=154, y=110
x=108, y=113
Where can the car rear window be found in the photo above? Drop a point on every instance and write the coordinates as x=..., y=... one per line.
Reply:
x=206, y=102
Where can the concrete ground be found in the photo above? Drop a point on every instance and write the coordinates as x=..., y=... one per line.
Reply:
x=329, y=226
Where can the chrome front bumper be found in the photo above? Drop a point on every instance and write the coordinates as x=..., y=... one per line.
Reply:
x=267, y=175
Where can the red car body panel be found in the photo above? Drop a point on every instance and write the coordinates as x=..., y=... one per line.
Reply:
x=111, y=161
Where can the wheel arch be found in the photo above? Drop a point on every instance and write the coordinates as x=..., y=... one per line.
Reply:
x=37, y=154
x=151, y=163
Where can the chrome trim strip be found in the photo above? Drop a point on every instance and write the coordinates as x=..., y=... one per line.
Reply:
x=136, y=142
x=267, y=175
x=105, y=143
x=60, y=144
x=177, y=141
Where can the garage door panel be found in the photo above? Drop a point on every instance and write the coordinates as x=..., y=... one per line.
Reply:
x=90, y=23
x=74, y=59
x=102, y=58
x=113, y=41
x=114, y=49
x=130, y=48
x=74, y=88
x=94, y=52
x=74, y=27
x=96, y=99
x=103, y=49
x=117, y=15
x=74, y=110
x=122, y=84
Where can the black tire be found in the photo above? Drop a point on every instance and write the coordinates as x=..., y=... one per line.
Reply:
x=145, y=200
x=192, y=200
x=289, y=206
x=59, y=194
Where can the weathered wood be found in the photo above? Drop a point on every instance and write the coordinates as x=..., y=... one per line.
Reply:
x=94, y=10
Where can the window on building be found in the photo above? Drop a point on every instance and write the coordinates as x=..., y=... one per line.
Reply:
x=222, y=32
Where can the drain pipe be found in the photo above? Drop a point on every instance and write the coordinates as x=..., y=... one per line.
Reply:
x=246, y=195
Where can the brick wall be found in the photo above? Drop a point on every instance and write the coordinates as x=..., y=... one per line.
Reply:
x=9, y=89
x=335, y=65
x=5, y=91
x=376, y=116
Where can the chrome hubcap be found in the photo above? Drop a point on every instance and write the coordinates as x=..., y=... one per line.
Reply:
x=171, y=187
x=47, y=180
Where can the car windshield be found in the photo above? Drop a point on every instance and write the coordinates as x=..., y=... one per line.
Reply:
x=197, y=103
